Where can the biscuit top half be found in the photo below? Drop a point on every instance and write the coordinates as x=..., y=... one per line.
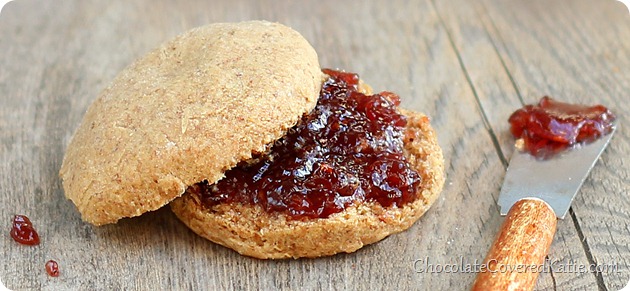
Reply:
x=187, y=112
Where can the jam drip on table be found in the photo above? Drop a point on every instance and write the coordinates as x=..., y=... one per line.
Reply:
x=52, y=268
x=23, y=232
x=551, y=127
x=348, y=149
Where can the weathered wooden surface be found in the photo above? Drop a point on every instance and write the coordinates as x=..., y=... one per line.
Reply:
x=467, y=64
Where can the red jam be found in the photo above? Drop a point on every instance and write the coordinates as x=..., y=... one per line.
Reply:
x=52, y=268
x=348, y=149
x=551, y=126
x=23, y=231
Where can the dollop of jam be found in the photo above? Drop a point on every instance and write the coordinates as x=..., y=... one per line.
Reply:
x=23, y=232
x=52, y=268
x=349, y=149
x=551, y=127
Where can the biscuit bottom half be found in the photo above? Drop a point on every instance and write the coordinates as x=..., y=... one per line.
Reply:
x=252, y=229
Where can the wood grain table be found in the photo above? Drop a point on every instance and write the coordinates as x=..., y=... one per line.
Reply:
x=467, y=64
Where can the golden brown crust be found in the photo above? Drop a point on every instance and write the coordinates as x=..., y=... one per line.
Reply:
x=253, y=232
x=186, y=112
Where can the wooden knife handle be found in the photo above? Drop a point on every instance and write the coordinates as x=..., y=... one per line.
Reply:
x=518, y=253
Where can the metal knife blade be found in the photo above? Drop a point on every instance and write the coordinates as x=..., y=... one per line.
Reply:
x=555, y=180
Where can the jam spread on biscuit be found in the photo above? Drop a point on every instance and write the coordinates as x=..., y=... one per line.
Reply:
x=349, y=149
x=52, y=268
x=551, y=126
x=23, y=232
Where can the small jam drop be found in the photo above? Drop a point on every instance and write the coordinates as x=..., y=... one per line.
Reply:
x=551, y=127
x=52, y=268
x=23, y=231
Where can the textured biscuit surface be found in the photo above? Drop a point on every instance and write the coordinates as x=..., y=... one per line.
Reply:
x=186, y=112
x=252, y=231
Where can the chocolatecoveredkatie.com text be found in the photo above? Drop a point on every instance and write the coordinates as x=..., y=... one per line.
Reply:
x=464, y=265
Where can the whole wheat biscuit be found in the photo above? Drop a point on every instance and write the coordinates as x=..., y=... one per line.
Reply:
x=251, y=231
x=186, y=112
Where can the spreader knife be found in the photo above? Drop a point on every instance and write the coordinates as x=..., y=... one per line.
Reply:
x=534, y=195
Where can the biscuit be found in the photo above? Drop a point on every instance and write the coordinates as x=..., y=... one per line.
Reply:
x=251, y=231
x=186, y=112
